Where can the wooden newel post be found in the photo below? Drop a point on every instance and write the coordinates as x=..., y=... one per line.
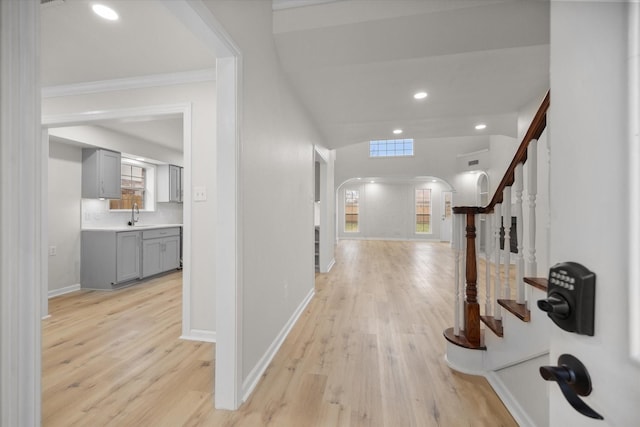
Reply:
x=471, y=306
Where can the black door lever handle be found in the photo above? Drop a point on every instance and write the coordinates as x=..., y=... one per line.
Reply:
x=573, y=378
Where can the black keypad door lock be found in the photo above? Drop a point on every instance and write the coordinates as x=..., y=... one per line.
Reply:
x=570, y=301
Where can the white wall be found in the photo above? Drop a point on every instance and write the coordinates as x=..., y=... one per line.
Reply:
x=435, y=157
x=501, y=152
x=202, y=97
x=65, y=171
x=387, y=211
x=106, y=138
x=590, y=146
x=277, y=169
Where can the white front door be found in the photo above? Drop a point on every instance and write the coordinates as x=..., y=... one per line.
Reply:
x=445, y=227
x=580, y=32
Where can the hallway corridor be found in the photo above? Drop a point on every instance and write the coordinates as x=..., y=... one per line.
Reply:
x=367, y=351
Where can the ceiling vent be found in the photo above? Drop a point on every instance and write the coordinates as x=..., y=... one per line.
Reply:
x=476, y=161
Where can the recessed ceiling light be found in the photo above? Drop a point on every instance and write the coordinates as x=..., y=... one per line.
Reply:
x=420, y=95
x=481, y=126
x=434, y=180
x=105, y=12
x=397, y=131
x=373, y=182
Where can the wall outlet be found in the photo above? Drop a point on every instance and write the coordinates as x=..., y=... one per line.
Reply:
x=52, y=251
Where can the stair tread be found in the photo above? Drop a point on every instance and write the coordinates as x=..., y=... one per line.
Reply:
x=461, y=340
x=493, y=324
x=538, y=282
x=518, y=310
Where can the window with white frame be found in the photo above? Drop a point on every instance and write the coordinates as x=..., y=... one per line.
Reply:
x=423, y=210
x=391, y=148
x=351, y=210
x=136, y=186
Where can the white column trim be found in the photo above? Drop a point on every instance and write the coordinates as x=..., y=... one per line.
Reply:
x=20, y=214
x=634, y=180
x=228, y=255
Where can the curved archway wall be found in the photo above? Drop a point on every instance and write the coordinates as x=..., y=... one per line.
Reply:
x=434, y=158
x=387, y=208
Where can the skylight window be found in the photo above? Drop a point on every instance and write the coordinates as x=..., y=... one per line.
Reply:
x=391, y=148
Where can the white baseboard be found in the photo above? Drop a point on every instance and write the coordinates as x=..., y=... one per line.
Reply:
x=61, y=291
x=511, y=403
x=254, y=376
x=329, y=267
x=199, y=335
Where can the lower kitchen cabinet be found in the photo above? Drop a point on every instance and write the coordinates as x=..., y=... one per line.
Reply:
x=161, y=249
x=110, y=258
x=127, y=256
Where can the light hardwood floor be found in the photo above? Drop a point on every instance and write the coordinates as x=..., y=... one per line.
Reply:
x=368, y=351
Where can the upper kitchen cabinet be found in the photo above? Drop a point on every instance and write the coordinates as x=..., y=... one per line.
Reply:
x=170, y=183
x=100, y=174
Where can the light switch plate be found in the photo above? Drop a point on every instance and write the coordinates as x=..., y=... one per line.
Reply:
x=199, y=194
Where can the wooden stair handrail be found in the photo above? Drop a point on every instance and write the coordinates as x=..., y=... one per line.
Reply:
x=538, y=125
x=472, y=334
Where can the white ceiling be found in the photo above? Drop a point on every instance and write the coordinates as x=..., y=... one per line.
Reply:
x=354, y=63
x=357, y=63
x=78, y=47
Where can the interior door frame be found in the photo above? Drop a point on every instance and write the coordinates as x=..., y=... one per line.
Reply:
x=91, y=117
x=444, y=213
x=634, y=180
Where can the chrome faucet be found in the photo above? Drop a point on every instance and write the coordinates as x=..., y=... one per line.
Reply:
x=134, y=210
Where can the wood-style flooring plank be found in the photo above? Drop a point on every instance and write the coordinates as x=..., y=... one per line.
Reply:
x=367, y=351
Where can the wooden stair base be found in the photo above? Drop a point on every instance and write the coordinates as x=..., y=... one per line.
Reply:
x=537, y=282
x=461, y=340
x=518, y=310
x=493, y=324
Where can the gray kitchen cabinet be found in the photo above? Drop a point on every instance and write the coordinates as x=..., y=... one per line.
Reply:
x=100, y=173
x=109, y=258
x=114, y=258
x=170, y=183
x=161, y=250
x=127, y=256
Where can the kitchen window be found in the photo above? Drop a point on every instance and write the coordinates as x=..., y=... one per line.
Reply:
x=134, y=186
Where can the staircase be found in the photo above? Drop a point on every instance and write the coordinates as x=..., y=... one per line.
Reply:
x=514, y=340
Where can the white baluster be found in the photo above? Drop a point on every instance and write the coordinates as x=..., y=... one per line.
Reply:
x=532, y=189
x=455, y=241
x=518, y=186
x=497, y=282
x=506, y=222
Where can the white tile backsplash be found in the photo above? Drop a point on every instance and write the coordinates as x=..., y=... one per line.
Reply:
x=95, y=214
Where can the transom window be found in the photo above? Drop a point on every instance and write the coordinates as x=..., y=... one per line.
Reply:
x=351, y=210
x=391, y=148
x=423, y=210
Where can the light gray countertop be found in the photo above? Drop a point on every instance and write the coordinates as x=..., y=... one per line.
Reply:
x=137, y=227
